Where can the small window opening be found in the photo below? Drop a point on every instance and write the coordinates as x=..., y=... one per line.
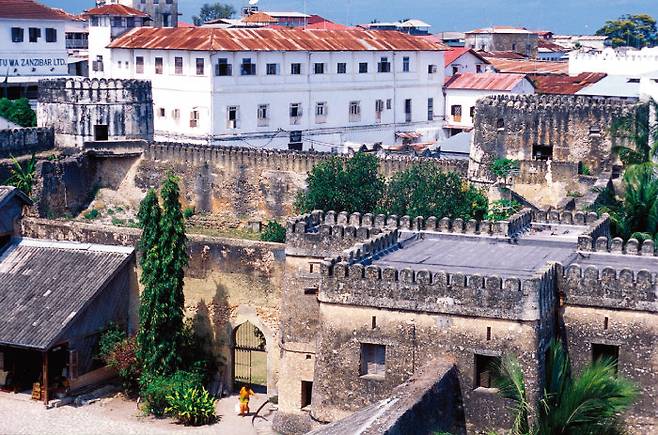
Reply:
x=605, y=323
x=374, y=322
x=311, y=291
x=485, y=367
x=595, y=130
x=488, y=333
x=500, y=124
x=606, y=352
x=307, y=393
x=101, y=132
x=542, y=152
x=308, y=356
x=373, y=359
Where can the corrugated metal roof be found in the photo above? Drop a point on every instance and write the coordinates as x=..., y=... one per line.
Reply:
x=564, y=84
x=260, y=17
x=45, y=285
x=31, y=10
x=116, y=9
x=525, y=66
x=8, y=192
x=503, y=54
x=271, y=39
x=456, y=52
x=485, y=81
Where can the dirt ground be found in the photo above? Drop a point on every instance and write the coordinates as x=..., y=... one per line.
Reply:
x=20, y=415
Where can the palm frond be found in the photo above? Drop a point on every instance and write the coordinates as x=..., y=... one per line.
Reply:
x=511, y=385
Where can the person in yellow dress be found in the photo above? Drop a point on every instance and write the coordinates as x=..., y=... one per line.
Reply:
x=245, y=394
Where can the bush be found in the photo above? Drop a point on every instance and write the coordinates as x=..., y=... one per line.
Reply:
x=188, y=212
x=502, y=168
x=273, y=232
x=502, y=209
x=109, y=341
x=92, y=214
x=192, y=406
x=18, y=111
x=156, y=389
x=123, y=359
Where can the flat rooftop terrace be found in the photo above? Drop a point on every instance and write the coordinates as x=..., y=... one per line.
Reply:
x=478, y=255
x=617, y=261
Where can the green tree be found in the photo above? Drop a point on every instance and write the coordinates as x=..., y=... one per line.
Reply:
x=590, y=403
x=213, y=11
x=425, y=190
x=630, y=31
x=162, y=305
x=18, y=111
x=638, y=139
x=23, y=177
x=333, y=184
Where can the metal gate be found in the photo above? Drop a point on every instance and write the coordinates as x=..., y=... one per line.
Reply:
x=249, y=356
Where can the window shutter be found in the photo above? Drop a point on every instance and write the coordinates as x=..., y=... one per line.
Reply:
x=73, y=364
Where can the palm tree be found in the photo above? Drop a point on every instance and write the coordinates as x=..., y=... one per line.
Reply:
x=587, y=404
x=22, y=177
x=639, y=134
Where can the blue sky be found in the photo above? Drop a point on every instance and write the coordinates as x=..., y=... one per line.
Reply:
x=561, y=16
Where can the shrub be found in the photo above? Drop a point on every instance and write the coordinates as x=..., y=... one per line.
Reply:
x=502, y=209
x=502, y=168
x=188, y=212
x=192, y=406
x=118, y=222
x=273, y=232
x=92, y=214
x=18, y=111
x=123, y=359
x=157, y=389
x=109, y=341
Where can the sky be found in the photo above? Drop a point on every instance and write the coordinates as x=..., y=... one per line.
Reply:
x=559, y=16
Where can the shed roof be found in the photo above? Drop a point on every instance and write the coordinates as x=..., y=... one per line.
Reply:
x=485, y=81
x=564, y=84
x=270, y=39
x=45, y=285
x=525, y=66
x=9, y=192
x=31, y=10
x=116, y=9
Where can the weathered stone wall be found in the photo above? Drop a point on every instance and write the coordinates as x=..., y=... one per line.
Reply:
x=577, y=129
x=227, y=282
x=73, y=107
x=21, y=141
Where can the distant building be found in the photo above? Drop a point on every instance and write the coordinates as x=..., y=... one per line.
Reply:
x=463, y=90
x=503, y=38
x=164, y=13
x=33, y=46
x=615, y=61
x=285, y=88
x=412, y=27
x=580, y=41
x=460, y=60
x=547, y=50
x=452, y=39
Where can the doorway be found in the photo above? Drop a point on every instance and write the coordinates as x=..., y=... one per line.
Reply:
x=249, y=358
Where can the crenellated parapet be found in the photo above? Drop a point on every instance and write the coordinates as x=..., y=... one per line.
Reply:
x=549, y=102
x=564, y=217
x=94, y=91
x=617, y=245
x=20, y=141
x=609, y=288
x=600, y=228
x=234, y=158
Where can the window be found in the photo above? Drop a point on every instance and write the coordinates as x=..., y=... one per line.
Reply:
x=97, y=65
x=158, y=65
x=341, y=68
x=223, y=68
x=456, y=112
x=166, y=19
x=606, y=352
x=130, y=22
x=232, y=113
x=247, y=68
x=384, y=66
x=94, y=21
x=117, y=21
x=263, y=115
x=17, y=34
x=363, y=67
x=542, y=151
x=406, y=64
x=162, y=112
x=175, y=113
x=373, y=360
x=101, y=132
x=485, y=367
x=471, y=112
x=478, y=68
x=139, y=65
x=355, y=111
x=307, y=392
x=432, y=69
x=178, y=65
x=200, y=66
x=379, y=108
x=407, y=110
x=295, y=69
x=295, y=144
x=500, y=124
x=595, y=131
x=455, y=70
x=430, y=109
x=194, y=118
x=389, y=104
x=318, y=68
x=34, y=34
x=320, y=112
x=51, y=34
x=272, y=69
x=295, y=113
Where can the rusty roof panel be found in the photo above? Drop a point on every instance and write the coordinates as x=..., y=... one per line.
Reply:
x=525, y=66
x=271, y=39
x=565, y=84
x=31, y=10
x=485, y=81
x=116, y=9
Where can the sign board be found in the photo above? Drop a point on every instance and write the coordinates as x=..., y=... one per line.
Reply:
x=17, y=65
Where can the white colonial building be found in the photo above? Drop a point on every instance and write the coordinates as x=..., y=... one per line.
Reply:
x=286, y=88
x=32, y=45
x=612, y=61
x=463, y=90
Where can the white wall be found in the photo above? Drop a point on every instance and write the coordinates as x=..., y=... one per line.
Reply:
x=466, y=98
x=467, y=63
x=211, y=96
x=612, y=62
x=27, y=58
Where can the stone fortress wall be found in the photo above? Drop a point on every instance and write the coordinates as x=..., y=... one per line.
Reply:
x=21, y=141
x=86, y=110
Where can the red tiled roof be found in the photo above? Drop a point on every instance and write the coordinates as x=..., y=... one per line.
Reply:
x=564, y=84
x=116, y=9
x=31, y=10
x=455, y=53
x=485, y=81
x=550, y=46
x=525, y=66
x=270, y=39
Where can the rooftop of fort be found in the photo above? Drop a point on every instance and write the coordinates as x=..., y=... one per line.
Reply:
x=571, y=103
x=84, y=90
